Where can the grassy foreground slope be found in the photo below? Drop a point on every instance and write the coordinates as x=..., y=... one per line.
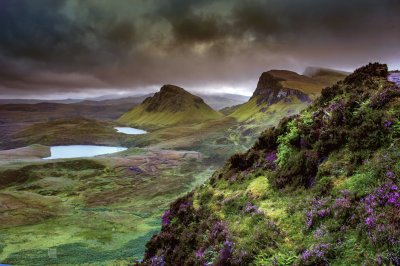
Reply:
x=171, y=106
x=319, y=189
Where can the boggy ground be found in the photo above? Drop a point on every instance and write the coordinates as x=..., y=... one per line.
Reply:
x=95, y=211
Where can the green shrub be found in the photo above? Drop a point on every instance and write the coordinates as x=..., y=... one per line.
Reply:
x=360, y=183
x=285, y=148
x=299, y=170
x=281, y=259
x=267, y=140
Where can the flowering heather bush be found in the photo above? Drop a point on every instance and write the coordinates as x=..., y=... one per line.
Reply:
x=342, y=203
x=320, y=209
x=390, y=175
x=384, y=97
x=166, y=217
x=270, y=159
x=219, y=231
x=320, y=232
x=336, y=107
x=388, y=123
x=318, y=255
x=252, y=209
x=225, y=253
x=343, y=206
x=157, y=261
x=184, y=206
x=381, y=217
x=386, y=195
x=199, y=253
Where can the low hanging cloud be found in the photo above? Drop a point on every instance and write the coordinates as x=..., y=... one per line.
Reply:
x=67, y=46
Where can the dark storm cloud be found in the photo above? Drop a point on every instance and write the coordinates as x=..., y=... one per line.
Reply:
x=74, y=45
x=337, y=17
x=189, y=26
x=40, y=30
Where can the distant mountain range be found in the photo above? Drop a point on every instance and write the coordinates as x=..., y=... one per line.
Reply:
x=279, y=93
x=216, y=101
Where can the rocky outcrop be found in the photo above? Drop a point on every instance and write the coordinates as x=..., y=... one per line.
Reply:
x=270, y=90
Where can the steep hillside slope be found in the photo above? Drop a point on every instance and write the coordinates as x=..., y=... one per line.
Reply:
x=172, y=105
x=319, y=189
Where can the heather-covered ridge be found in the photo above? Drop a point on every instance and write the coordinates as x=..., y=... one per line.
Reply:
x=319, y=189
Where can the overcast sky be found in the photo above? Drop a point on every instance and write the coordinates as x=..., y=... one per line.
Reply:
x=78, y=48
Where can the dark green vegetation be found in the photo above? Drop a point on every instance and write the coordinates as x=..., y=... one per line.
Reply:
x=322, y=188
x=171, y=106
x=98, y=211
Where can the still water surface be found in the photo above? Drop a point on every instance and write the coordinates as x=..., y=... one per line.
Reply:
x=76, y=151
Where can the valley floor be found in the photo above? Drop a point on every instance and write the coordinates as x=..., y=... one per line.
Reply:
x=93, y=211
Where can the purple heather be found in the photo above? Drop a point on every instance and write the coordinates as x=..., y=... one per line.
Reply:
x=166, y=217
x=390, y=175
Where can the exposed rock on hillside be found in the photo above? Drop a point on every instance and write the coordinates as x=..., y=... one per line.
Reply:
x=270, y=90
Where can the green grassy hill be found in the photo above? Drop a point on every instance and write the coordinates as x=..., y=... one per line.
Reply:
x=319, y=189
x=171, y=106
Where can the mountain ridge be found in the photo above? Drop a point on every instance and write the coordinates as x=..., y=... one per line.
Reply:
x=172, y=105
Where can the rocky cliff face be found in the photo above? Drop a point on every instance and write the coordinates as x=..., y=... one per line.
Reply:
x=270, y=90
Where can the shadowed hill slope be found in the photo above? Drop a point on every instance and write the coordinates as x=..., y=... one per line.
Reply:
x=319, y=189
x=172, y=105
